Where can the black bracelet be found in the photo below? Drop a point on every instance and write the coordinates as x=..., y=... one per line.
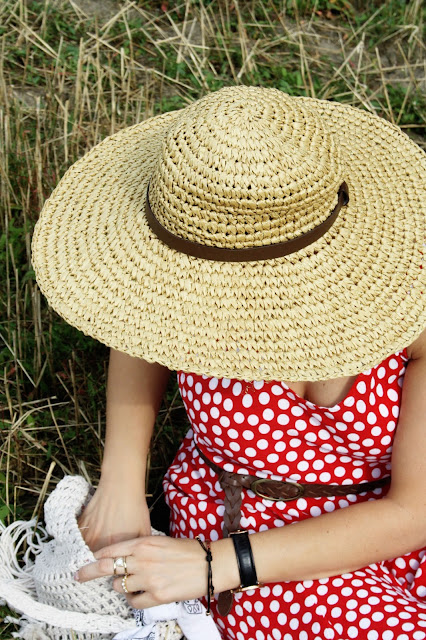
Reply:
x=245, y=561
x=209, y=558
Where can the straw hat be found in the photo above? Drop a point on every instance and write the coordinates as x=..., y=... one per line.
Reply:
x=331, y=289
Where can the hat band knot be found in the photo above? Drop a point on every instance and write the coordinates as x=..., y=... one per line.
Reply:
x=247, y=254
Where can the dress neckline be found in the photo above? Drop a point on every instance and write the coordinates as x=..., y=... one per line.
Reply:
x=335, y=406
x=362, y=374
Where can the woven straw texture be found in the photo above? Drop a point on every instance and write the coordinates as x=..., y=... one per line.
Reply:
x=243, y=167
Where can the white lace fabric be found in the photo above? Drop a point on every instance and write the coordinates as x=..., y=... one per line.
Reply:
x=40, y=586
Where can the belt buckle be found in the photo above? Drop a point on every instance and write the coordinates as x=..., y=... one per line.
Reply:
x=257, y=489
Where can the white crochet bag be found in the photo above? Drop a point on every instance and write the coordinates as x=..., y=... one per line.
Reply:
x=53, y=606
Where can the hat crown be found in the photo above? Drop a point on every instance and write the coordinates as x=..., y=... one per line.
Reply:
x=245, y=167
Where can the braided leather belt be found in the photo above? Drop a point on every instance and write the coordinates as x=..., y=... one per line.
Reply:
x=233, y=483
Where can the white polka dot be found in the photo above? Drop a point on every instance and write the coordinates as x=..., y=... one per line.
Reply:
x=224, y=421
x=276, y=390
x=250, y=452
x=268, y=414
x=264, y=621
x=253, y=420
x=214, y=412
x=392, y=395
x=273, y=457
x=264, y=398
x=309, y=454
x=228, y=404
x=383, y=410
x=206, y=398
x=349, y=401
x=217, y=397
x=311, y=477
x=340, y=472
x=393, y=363
x=264, y=428
x=237, y=388
x=283, y=404
x=239, y=417
x=297, y=411
x=348, y=416
x=301, y=425
x=226, y=383
x=361, y=406
x=361, y=387
x=283, y=469
x=248, y=435
x=381, y=372
x=247, y=401
x=213, y=383
x=263, y=444
x=359, y=426
x=371, y=418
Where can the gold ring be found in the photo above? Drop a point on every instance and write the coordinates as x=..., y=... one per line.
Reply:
x=123, y=583
x=120, y=562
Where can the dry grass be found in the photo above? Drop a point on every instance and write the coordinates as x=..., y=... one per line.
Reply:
x=74, y=71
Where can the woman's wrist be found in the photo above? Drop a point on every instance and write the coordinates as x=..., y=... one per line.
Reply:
x=128, y=471
x=224, y=566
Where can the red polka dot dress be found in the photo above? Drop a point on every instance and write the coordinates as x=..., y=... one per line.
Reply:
x=265, y=429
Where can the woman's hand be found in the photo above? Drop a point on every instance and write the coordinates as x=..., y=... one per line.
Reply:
x=164, y=569
x=117, y=512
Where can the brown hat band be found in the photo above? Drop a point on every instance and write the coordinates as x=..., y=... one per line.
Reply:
x=223, y=254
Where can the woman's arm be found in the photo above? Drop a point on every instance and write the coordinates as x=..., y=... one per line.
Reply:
x=330, y=544
x=118, y=510
x=350, y=538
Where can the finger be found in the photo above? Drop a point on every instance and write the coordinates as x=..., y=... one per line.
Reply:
x=123, y=548
x=132, y=583
x=103, y=567
x=122, y=565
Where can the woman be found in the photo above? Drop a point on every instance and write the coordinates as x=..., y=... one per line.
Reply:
x=270, y=250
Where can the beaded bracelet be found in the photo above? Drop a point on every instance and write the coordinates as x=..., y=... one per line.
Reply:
x=210, y=588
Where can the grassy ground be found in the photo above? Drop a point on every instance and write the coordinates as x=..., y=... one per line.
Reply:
x=74, y=71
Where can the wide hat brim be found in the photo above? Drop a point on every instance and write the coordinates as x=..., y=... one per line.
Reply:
x=333, y=309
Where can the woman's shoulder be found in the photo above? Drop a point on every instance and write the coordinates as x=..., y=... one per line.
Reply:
x=417, y=349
